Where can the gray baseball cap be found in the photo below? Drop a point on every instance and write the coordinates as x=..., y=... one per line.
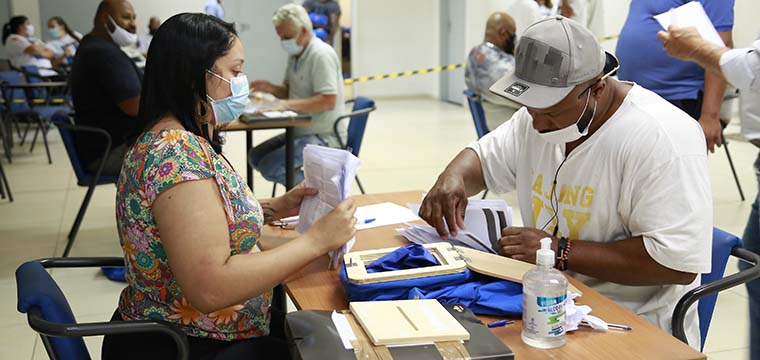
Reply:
x=553, y=56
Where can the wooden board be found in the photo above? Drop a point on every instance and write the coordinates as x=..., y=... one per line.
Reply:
x=448, y=257
x=400, y=322
x=499, y=266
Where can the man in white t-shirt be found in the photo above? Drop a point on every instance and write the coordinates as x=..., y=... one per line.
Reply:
x=615, y=175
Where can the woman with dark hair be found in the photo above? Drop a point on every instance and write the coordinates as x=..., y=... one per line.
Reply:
x=22, y=49
x=63, y=40
x=188, y=222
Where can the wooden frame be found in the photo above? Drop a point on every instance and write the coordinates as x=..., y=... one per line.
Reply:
x=453, y=259
x=446, y=254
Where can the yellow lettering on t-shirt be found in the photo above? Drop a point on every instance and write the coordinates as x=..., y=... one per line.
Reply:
x=569, y=195
x=538, y=184
x=576, y=220
x=537, y=206
x=587, y=197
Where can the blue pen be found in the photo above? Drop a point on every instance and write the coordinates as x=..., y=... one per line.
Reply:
x=367, y=221
x=499, y=323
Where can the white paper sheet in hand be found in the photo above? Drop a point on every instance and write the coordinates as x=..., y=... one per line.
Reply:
x=688, y=15
x=332, y=172
x=483, y=222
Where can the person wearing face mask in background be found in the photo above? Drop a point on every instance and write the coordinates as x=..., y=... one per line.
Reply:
x=313, y=84
x=488, y=62
x=105, y=85
x=612, y=173
x=63, y=41
x=23, y=49
x=144, y=42
x=187, y=218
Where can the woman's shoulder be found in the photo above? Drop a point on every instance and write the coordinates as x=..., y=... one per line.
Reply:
x=17, y=40
x=175, y=145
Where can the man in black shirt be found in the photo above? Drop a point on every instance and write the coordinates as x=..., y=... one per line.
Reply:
x=105, y=86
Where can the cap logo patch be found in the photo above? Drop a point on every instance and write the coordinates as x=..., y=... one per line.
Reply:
x=517, y=89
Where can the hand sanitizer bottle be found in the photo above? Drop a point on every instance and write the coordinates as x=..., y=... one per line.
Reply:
x=544, y=295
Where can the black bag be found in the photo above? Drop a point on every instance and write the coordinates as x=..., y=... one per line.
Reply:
x=312, y=335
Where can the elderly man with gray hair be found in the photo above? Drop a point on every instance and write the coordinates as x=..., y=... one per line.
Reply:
x=313, y=84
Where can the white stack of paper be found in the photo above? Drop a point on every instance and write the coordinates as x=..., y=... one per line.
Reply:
x=426, y=234
x=332, y=172
x=691, y=14
x=483, y=223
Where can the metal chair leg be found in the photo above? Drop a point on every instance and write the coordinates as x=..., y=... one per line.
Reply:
x=274, y=189
x=78, y=221
x=361, y=188
x=731, y=163
x=43, y=130
x=4, y=131
x=26, y=132
x=34, y=139
x=5, y=184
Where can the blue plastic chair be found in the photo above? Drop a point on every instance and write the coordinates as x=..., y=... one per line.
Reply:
x=32, y=73
x=34, y=110
x=50, y=315
x=85, y=177
x=355, y=133
x=478, y=117
x=357, y=124
x=476, y=109
x=723, y=246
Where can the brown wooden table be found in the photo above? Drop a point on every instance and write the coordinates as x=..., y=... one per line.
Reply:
x=261, y=122
x=317, y=288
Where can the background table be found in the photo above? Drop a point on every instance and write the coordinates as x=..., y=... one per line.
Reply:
x=261, y=122
x=317, y=288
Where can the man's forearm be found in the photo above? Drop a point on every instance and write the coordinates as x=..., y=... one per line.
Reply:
x=279, y=91
x=715, y=88
x=625, y=262
x=467, y=166
x=317, y=103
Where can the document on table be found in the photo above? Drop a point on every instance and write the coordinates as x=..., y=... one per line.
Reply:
x=483, y=223
x=332, y=172
x=279, y=114
x=383, y=214
x=691, y=14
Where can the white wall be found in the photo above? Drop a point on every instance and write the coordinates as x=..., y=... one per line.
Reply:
x=392, y=36
x=29, y=8
x=80, y=13
x=746, y=22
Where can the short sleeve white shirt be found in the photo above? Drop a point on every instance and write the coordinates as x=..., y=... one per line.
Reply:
x=643, y=173
x=15, y=47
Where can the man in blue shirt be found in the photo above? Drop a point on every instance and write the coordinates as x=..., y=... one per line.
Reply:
x=684, y=84
x=328, y=8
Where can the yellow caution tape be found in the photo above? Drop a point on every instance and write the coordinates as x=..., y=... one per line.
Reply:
x=430, y=70
x=402, y=74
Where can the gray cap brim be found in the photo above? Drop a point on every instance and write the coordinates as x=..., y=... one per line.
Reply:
x=528, y=94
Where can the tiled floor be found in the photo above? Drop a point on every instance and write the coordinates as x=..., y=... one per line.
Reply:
x=408, y=142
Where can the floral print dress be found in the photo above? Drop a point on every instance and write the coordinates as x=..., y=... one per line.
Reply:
x=156, y=162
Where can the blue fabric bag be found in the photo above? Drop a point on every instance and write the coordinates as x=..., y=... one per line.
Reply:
x=484, y=295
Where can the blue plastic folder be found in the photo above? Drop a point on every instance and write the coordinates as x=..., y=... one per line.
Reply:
x=483, y=294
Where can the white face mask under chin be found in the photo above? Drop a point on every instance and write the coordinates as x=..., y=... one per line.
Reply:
x=121, y=36
x=570, y=133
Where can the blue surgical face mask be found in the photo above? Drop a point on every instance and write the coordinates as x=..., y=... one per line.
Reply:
x=231, y=107
x=54, y=33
